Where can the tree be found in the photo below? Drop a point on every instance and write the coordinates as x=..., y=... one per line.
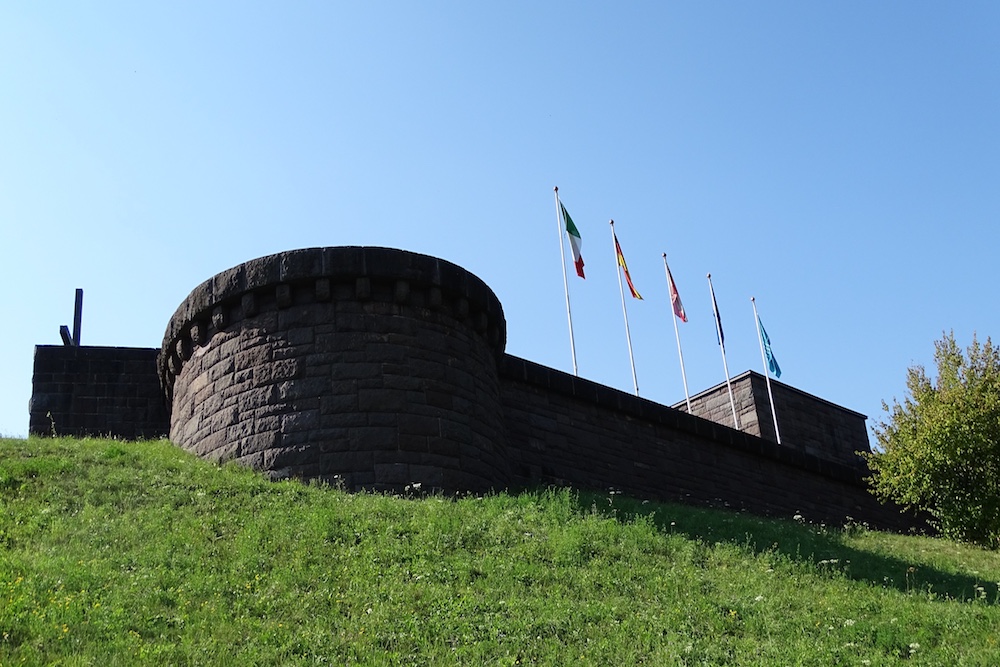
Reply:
x=939, y=451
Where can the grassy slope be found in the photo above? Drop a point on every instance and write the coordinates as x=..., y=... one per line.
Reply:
x=137, y=553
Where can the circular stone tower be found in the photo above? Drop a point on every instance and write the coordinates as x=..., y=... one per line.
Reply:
x=372, y=368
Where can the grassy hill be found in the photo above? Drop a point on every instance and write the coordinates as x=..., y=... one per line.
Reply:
x=116, y=553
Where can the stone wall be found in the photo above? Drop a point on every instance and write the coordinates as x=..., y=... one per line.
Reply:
x=807, y=423
x=381, y=369
x=371, y=367
x=99, y=391
x=563, y=429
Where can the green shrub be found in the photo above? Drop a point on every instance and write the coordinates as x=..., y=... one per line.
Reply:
x=940, y=448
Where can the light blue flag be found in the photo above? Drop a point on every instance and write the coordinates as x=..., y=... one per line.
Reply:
x=772, y=363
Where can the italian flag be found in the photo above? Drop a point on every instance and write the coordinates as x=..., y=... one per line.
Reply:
x=575, y=242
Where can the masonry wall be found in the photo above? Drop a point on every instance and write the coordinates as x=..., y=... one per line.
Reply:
x=563, y=429
x=371, y=367
x=98, y=391
x=377, y=369
x=806, y=422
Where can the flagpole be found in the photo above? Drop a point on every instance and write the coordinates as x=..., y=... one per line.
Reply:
x=767, y=374
x=621, y=290
x=560, y=224
x=671, y=288
x=722, y=346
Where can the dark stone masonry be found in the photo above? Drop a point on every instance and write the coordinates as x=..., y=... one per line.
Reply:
x=374, y=367
x=381, y=369
x=81, y=391
x=806, y=423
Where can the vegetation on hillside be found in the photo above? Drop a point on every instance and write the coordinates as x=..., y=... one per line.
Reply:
x=939, y=450
x=119, y=553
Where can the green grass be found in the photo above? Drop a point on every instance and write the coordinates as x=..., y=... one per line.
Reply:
x=115, y=553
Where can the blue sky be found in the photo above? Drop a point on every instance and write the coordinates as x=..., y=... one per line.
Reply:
x=837, y=161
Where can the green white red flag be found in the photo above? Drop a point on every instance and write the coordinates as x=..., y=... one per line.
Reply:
x=575, y=242
x=565, y=222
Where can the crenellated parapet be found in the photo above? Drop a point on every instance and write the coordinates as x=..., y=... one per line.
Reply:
x=371, y=366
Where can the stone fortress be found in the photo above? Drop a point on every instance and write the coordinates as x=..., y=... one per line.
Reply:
x=381, y=369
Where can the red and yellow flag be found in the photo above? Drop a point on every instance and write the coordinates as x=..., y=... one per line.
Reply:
x=621, y=263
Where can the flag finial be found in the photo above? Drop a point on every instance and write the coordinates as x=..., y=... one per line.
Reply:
x=556, y=188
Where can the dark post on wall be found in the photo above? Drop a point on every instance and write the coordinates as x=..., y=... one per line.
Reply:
x=73, y=340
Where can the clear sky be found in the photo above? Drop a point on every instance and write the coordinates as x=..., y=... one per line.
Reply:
x=839, y=161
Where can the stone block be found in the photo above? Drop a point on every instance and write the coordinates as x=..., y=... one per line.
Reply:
x=252, y=399
x=248, y=304
x=183, y=348
x=409, y=442
x=299, y=421
x=220, y=317
x=283, y=295
x=461, y=308
x=363, y=288
x=260, y=442
x=242, y=376
x=435, y=299
x=401, y=292
x=427, y=476
x=419, y=425
x=373, y=438
x=229, y=284
x=301, y=264
x=276, y=371
x=301, y=388
x=266, y=420
x=330, y=439
x=263, y=271
x=392, y=474
x=240, y=430
x=356, y=370
x=443, y=447
x=323, y=289
x=222, y=419
x=439, y=399
x=381, y=400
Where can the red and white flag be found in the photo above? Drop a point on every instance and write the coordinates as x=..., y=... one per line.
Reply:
x=675, y=298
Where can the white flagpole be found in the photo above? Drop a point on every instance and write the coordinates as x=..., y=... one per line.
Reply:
x=722, y=346
x=671, y=289
x=561, y=225
x=767, y=373
x=621, y=290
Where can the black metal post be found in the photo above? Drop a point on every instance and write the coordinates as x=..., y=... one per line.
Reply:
x=77, y=317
